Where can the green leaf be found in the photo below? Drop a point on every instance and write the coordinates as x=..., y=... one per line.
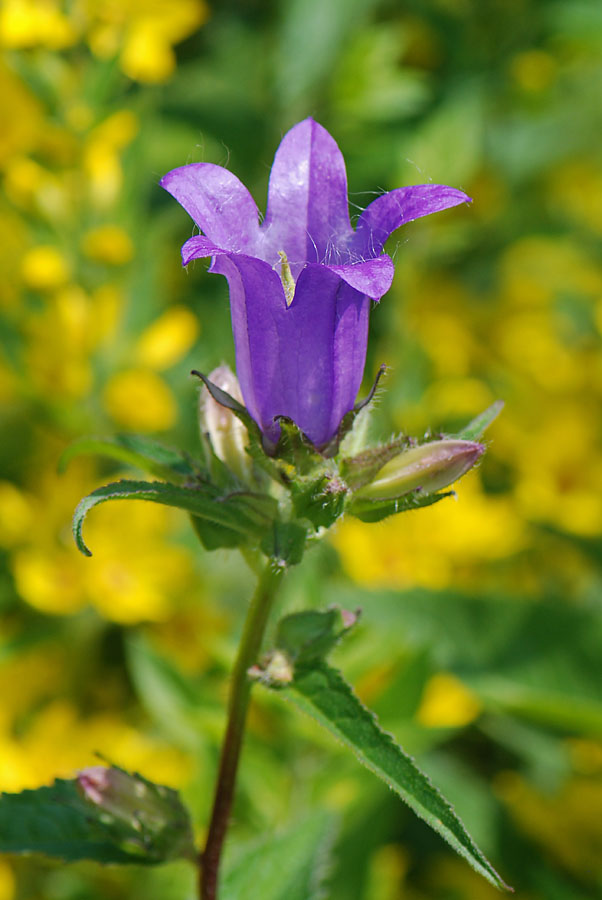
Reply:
x=375, y=510
x=57, y=821
x=309, y=635
x=285, y=542
x=478, y=425
x=322, y=692
x=287, y=866
x=244, y=513
x=133, y=450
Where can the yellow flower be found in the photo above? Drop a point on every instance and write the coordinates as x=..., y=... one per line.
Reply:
x=168, y=338
x=431, y=547
x=140, y=400
x=136, y=574
x=447, y=703
x=49, y=579
x=44, y=268
x=8, y=885
x=108, y=244
x=33, y=23
x=16, y=515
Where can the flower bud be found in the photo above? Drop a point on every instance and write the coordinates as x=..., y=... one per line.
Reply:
x=427, y=468
x=148, y=817
x=227, y=434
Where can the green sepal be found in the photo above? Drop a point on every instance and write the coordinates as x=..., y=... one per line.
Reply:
x=376, y=510
x=134, y=450
x=285, y=542
x=480, y=423
x=320, y=500
x=348, y=419
x=57, y=821
x=361, y=469
x=312, y=634
x=295, y=448
x=257, y=449
x=322, y=692
x=244, y=513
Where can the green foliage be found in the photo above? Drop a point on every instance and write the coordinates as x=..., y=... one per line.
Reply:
x=291, y=865
x=475, y=429
x=135, y=450
x=310, y=635
x=246, y=514
x=57, y=821
x=322, y=692
x=284, y=542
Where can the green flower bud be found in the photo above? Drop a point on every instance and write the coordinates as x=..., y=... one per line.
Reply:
x=427, y=468
x=145, y=817
x=227, y=434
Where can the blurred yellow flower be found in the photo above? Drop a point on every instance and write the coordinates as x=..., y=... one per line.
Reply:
x=101, y=162
x=575, y=190
x=136, y=574
x=537, y=268
x=434, y=546
x=108, y=244
x=8, y=885
x=168, y=338
x=147, y=33
x=23, y=116
x=59, y=742
x=33, y=23
x=566, y=822
x=533, y=70
x=44, y=268
x=16, y=514
x=447, y=703
x=140, y=400
x=49, y=579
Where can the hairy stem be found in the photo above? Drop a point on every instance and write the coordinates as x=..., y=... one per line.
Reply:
x=240, y=690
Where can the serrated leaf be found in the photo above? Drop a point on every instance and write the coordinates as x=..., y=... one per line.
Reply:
x=133, y=450
x=480, y=423
x=244, y=513
x=56, y=821
x=322, y=692
x=287, y=866
x=285, y=542
x=376, y=510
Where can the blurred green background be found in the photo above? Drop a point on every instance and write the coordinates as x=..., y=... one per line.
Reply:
x=481, y=642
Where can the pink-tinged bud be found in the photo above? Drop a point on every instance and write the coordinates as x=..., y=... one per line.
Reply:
x=427, y=468
x=227, y=434
x=147, y=819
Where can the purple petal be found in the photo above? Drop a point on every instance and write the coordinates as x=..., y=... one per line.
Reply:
x=373, y=277
x=394, y=209
x=258, y=308
x=199, y=246
x=307, y=212
x=324, y=351
x=218, y=202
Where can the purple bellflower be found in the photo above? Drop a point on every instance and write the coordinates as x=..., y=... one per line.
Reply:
x=301, y=281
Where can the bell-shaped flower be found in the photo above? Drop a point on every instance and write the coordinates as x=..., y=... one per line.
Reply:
x=302, y=280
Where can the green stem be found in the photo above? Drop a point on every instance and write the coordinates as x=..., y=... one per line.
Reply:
x=240, y=690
